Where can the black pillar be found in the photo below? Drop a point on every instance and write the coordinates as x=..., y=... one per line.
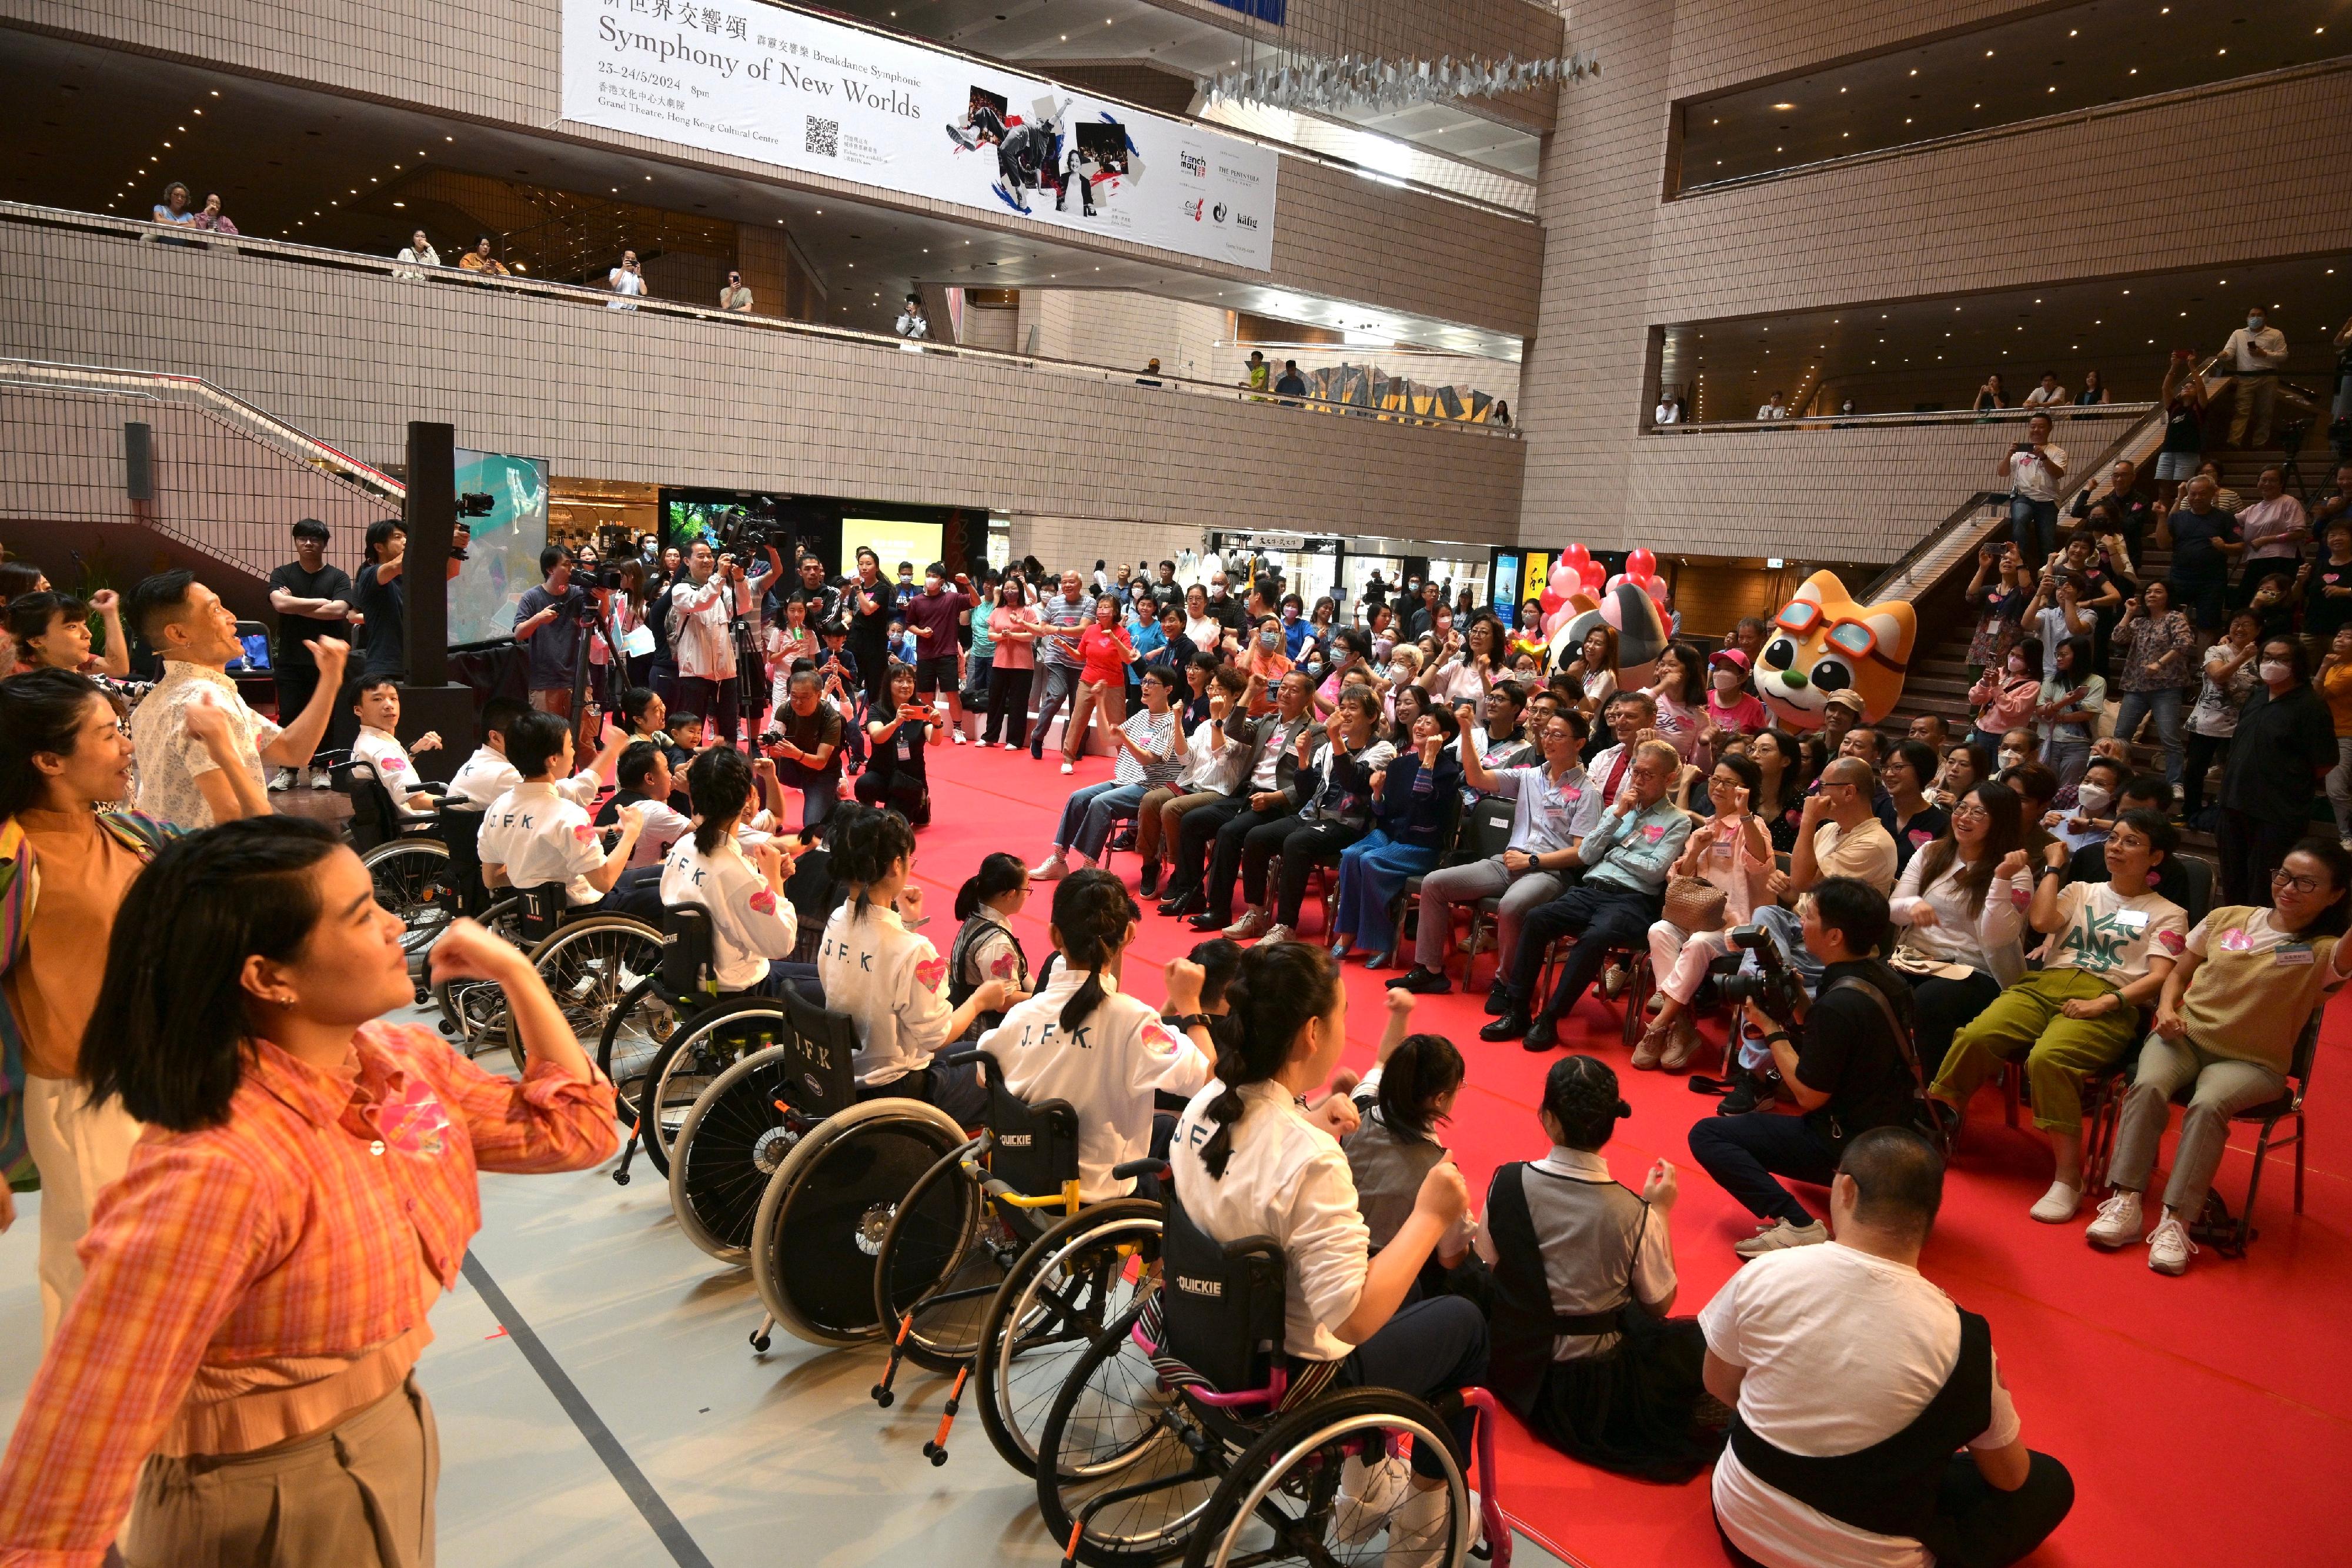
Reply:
x=428, y=701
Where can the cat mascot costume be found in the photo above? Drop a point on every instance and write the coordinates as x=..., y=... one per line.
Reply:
x=1822, y=641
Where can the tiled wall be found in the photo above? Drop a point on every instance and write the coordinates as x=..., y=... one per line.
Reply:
x=1335, y=233
x=350, y=355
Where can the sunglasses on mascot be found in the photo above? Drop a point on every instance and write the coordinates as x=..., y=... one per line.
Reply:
x=1849, y=637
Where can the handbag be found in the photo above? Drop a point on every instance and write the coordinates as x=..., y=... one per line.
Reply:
x=1695, y=904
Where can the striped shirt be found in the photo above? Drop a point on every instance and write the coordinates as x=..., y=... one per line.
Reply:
x=1056, y=611
x=1156, y=732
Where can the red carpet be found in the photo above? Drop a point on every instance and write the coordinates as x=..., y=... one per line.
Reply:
x=2202, y=1416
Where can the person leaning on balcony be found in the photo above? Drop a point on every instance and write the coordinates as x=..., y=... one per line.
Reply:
x=417, y=254
x=479, y=259
x=210, y=217
x=628, y=281
x=735, y=298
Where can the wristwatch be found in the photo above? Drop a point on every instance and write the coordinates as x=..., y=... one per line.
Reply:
x=1185, y=1020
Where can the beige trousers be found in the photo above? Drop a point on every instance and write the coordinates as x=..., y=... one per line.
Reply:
x=357, y=1495
x=80, y=1150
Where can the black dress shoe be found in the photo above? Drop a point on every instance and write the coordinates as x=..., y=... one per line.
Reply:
x=1150, y=883
x=1180, y=901
x=1498, y=999
x=1423, y=982
x=1210, y=920
x=1511, y=1025
x=1542, y=1035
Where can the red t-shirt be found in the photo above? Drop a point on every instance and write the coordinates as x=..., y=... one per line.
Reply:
x=1104, y=655
x=938, y=614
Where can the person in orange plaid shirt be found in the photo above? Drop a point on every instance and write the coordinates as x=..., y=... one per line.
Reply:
x=235, y=1375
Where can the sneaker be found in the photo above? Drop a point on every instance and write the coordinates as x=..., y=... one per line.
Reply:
x=1069, y=767
x=1779, y=1236
x=1053, y=868
x=2058, y=1205
x=1419, y=1529
x=1681, y=1047
x=1012, y=746
x=1656, y=1004
x=1150, y=882
x=1278, y=931
x=1252, y=924
x=1124, y=838
x=2169, y=1247
x=282, y=780
x=957, y=736
x=1612, y=981
x=321, y=779
x=1423, y=982
x=2119, y=1221
x=1742, y=1100
x=1369, y=1493
x=1651, y=1050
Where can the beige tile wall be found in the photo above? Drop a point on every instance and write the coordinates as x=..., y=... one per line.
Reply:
x=1335, y=233
x=350, y=355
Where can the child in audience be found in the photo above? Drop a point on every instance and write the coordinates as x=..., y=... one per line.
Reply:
x=2115, y=941
x=985, y=947
x=2227, y=1022
x=889, y=980
x=836, y=667
x=1084, y=1041
x=537, y=833
x=488, y=774
x=1414, y=1080
x=378, y=706
x=753, y=927
x=1584, y=1276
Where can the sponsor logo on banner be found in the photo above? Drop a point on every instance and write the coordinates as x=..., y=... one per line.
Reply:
x=798, y=91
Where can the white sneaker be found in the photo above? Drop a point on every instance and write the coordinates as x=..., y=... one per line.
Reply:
x=1368, y=1495
x=957, y=736
x=1249, y=927
x=1419, y=1530
x=321, y=779
x=2058, y=1205
x=282, y=780
x=1053, y=868
x=1779, y=1236
x=1278, y=933
x=2118, y=1224
x=1069, y=768
x=1012, y=746
x=2169, y=1247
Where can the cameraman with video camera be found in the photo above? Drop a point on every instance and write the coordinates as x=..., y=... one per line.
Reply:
x=1844, y=1055
x=548, y=622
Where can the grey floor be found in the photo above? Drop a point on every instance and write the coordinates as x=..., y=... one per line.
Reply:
x=710, y=1454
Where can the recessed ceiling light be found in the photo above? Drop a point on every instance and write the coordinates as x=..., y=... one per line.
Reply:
x=1783, y=108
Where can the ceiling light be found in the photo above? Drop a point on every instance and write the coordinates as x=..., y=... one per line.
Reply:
x=1915, y=70
x=1783, y=108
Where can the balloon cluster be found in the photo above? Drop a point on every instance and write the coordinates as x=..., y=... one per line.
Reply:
x=1576, y=573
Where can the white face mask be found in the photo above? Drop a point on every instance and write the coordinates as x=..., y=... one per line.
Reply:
x=2093, y=798
x=2017, y=663
x=2275, y=671
x=2011, y=758
x=1726, y=680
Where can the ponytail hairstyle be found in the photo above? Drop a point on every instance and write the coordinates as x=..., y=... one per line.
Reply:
x=999, y=874
x=1220, y=957
x=719, y=783
x=867, y=846
x=1423, y=1070
x=1092, y=914
x=1279, y=988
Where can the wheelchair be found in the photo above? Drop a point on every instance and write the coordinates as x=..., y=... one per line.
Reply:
x=407, y=858
x=980, y=1285
x=1182, y=1431
x=675, y=1031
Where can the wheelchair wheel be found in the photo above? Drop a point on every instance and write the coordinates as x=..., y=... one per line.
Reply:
x=821, y=1222
x=1278, y=1502
x=944, y=1253
x=413, y=880
x=697, y=1051
x=731, y=1141
x=474, y=1013
x=1081, y=1275
x=589, y=965
x=630, y=1044
x=1120, y=1481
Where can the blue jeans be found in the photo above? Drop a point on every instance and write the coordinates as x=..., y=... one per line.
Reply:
x=1372, y=872
x=1087, y=814
x=2166, y=705
x=2041, y=517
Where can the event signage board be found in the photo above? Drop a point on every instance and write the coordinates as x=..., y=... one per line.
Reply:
x=784, y=88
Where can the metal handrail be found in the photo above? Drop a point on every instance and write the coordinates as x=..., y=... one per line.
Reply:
x=2084, y=114
x=453, y=276
x=2061, y=415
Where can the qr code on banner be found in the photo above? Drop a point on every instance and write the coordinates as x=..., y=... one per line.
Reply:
x=824, y=137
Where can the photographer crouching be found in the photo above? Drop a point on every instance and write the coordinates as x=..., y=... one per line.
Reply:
x=1844, y=1055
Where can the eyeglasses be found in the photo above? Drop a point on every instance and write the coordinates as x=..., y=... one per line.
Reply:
x=2287, y=879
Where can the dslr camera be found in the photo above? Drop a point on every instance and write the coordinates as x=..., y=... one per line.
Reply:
x=1774, y=987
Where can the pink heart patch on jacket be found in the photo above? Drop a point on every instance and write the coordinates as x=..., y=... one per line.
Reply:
x=931, y=971
x=763, y=902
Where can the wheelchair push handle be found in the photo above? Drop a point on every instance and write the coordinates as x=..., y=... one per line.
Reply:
x=1131, y=1169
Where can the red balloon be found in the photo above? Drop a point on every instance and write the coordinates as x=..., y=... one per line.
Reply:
x=1640, y=563
x=1638, y=578
x=1593, y=575
x=1574, y=558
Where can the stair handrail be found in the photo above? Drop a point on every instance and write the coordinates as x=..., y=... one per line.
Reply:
x=296, y=441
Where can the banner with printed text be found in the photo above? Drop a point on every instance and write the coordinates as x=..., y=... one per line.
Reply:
x=784, y=88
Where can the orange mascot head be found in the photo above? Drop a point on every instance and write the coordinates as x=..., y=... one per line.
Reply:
x=1822, y=641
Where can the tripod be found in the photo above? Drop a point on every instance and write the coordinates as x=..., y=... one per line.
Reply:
x=596, y=622
x=751, y=675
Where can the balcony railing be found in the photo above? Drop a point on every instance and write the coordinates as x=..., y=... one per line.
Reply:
x=292, y=254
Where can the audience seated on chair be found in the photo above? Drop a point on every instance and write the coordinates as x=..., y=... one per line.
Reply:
x=378, y=706
x=536, y=835
x=1211, y=770
x=1731, y=852
x=1961, y=913
x=2115, y=943
x=2147, y=792
x=753, y=927
x=1416, y=805
x=1147, y=755
x=1584, y=1277
x=1332, y=786
x=1084, y=1041
x=1871, y=1423
x=2227, y=1021
x=488, y=774
x=890, y=980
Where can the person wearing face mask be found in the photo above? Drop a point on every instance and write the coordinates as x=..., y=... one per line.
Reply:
x=2285, y=745
x=2088, y=821
x=1264, y=659
x=2005, y=699
x=1731, y=708
x=2255, y=353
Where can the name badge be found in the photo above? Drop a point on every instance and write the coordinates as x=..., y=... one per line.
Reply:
x=906, y=748
x=2298, y=955
x=2132, y=919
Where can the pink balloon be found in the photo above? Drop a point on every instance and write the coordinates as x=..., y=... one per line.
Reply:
x=1656, y=589
x=1641, y=563
x=1574, y=558
x=1611, y=587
